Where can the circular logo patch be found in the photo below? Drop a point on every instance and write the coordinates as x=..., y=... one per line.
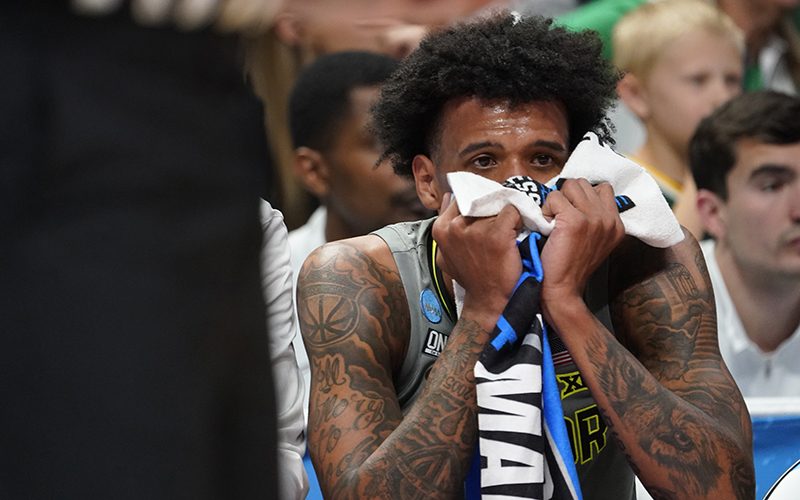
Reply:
x=430, y=306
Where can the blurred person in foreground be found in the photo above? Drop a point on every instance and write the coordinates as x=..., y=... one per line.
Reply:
x=745, y=159
x=336, y=158
x=136, y=361
x=392, y=417
x=682, y=59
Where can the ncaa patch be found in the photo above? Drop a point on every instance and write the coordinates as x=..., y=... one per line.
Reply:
x=431, y=308
x=434, y=343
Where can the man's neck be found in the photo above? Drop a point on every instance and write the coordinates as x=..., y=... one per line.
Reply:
x=336, y=228
x=757, y=22
x=769, y=307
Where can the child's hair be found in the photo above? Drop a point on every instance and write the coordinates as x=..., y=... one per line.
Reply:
x=641, y=36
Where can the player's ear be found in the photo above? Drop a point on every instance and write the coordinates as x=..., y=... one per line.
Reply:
x=312, y=170
x=634, y=95
x=428, y=188
x=713, y=214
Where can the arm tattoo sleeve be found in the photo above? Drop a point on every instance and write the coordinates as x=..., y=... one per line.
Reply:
x=689, y=417
x=355, y=323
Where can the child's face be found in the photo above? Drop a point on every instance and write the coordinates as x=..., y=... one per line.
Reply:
x=695, y=74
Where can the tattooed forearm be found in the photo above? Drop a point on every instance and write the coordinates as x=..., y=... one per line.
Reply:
x=429, y=454
x=353, y=316
x=670, y=400
x=675, y=338
x=672, y=436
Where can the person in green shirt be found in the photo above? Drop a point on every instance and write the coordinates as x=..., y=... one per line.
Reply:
x=771, y=28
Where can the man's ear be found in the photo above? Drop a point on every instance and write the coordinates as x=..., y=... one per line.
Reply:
x=313, y=171
x=288, y=27
x=633, y=93
x=428, y=189
x=713, y=213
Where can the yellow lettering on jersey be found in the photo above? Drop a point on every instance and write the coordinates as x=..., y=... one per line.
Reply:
x=591, y=432
x=570, y=383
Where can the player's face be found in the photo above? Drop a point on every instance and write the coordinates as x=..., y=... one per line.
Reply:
x=496, y=141
x=761, y=217
x=367, y=198
x=696, y=73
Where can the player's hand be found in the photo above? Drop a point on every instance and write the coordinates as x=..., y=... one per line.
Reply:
x=480, y=253
x=587, y=230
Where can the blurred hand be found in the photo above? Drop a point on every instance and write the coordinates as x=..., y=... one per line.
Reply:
x=227, y=15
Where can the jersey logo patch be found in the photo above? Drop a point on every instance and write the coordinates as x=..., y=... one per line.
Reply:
x=570, y=383
x=431, y=308
x=434, y=343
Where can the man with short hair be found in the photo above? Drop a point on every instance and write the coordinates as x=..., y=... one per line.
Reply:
x=336, y=156
x=336, y=159
x=745, y=159
x=389, y=419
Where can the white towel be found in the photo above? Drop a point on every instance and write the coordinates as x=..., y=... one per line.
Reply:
x=651, y=220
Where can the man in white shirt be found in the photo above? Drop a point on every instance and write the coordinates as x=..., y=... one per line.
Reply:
x=277, y=286
x=337, y=158
x=745, y=159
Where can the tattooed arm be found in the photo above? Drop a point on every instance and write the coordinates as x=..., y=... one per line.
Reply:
x=666, y=396
x=355, y=322
x=668, y=399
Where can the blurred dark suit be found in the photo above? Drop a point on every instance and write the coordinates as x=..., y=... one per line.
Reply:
x=134, y=359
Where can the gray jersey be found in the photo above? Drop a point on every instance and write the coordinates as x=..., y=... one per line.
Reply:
x=602, y=470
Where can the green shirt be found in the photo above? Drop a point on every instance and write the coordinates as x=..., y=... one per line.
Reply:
x=602, y=15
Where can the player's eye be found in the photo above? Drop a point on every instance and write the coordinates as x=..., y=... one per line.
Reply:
x=543, y=160
x=484, y=162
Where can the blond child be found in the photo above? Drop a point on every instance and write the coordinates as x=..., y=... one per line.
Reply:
x=683, y=59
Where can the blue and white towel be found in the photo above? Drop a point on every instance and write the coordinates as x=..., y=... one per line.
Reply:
x=523, y=442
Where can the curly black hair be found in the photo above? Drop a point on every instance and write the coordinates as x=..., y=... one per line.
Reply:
x=520, y=60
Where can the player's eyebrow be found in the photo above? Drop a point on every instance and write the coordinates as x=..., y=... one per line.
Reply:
x=555, y=146
x=478, y=145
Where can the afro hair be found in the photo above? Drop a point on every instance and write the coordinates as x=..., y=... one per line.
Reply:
x=505, y=57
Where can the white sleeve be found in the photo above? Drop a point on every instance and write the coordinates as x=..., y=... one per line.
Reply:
x=276, y=275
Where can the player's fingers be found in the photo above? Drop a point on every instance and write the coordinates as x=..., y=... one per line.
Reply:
x=579, y=192
x=606, y=194
x=588, y=198
x=446, y=198
x=509, y=216
x=556, y=203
